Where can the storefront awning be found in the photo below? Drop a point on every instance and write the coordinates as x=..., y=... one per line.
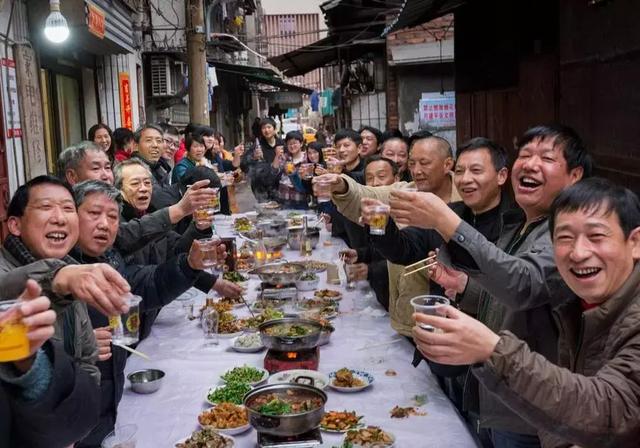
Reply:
x=259, y=75
x=346, y=47
x=416, y=12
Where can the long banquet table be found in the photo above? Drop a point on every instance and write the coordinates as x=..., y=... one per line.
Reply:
x=176, y=346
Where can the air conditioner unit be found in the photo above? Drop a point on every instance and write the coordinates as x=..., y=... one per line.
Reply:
x=164, y=80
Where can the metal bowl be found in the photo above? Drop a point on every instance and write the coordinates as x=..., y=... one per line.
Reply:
x=268, y=208
x=295, y=233
x=146, y=381
x=272, y=243
x=272, y=227
x=285, y=425
x=290, y=343
x=279, y=273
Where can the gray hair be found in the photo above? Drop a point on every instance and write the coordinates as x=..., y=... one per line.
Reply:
x=141, y=129
x=88, y=187
x=119, y=168
x=71, y=157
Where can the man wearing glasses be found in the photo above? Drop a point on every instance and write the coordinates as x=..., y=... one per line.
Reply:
x=171, y=138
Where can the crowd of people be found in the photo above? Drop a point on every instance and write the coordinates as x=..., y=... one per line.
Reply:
x=540, y=345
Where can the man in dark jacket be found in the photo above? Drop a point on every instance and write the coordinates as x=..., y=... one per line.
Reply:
x=590, y=397
x=263, y=162
x=150, y=145
x=98, y=212
x=517, y=275
x=46, y=400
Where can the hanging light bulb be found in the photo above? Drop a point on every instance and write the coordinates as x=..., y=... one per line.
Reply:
x=56, y=28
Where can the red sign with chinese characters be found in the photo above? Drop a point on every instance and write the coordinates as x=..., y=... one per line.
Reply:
x=95, y=20
x=125, y=101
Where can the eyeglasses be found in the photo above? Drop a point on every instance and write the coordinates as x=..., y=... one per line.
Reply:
x=172, y=143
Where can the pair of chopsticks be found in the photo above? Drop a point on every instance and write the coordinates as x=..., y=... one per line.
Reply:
x=129, y=349
x=430, y=262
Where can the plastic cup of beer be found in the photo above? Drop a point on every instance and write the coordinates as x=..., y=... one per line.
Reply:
x=323, y=190
x=214, y=202
x=14, y=344
x=208, y=247
x=306, y=171
x=121, y=437
x=379, y=219
x=126, y=327
x=428, y=304
x=334, y=166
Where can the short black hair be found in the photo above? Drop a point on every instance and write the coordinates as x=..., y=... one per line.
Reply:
x=265, y=121
x=418, y=135
x=294, y=135
x=573, y=149
x=498, y=154
x=168, y=128
x=198, y=173
x=20, y=199
x=602, y=195
x=204, y=131
x=347, y=133
x=122, y=137
x=316, y=146
x=138, y=134
x=392, y=133
x=378, y=158
x=193, y=137
x=374, y=131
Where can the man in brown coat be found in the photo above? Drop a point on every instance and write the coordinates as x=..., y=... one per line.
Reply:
x=592, y=398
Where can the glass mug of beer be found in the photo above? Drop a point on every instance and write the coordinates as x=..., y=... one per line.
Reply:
x=14, y=344
x=379, y=219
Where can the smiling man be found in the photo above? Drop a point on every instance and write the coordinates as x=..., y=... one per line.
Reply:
x=517, y=274
x=590, y=397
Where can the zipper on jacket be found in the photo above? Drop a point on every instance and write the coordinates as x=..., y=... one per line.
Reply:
x=579, y=344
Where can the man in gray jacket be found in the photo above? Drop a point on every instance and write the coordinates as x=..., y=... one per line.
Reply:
x=518, y=275
x=43, y=227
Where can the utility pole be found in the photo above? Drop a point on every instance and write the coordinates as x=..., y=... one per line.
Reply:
x=197, y=62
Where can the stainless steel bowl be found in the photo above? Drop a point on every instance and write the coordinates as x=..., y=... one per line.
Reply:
x=272, y=243
x=146, y=381
x=325, y=335
x=295, y=233
x=290, y=343
x=272, y=227
x=285, y=425
x=279, y=273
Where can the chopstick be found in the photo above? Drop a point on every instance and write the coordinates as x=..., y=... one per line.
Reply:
x=427, y=260
x=129, y=349
x=420, y=268
x=366, y=347
x=247, y=305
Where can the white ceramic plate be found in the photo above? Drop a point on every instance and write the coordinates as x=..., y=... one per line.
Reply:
x=289, y=376
x=360, y=374
x=228, y=431
x=265, y=375
x=229, y=438
x=393, y=442
x=245, y=349
x=230, y=335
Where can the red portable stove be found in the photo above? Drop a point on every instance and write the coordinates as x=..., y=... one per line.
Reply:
x=277, y=361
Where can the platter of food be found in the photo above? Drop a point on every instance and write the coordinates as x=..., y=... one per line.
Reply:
x=206, y=438
x=349, y=380
x=252, y=323
x=229, y=326
x=247, y=343
x=300, y=376
x=229, y=393
x=340, y=421
x=226, y=418
x=245, y=374
x=235, y=302
x=328, y=294
x=369, y=437
x=242, y=225
x=314, y=266
x=237, y=278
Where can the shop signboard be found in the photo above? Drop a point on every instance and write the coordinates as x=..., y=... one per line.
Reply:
x=12, y=113
x=96, y=20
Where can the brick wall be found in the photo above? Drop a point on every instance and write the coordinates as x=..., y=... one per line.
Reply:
x=437, y=29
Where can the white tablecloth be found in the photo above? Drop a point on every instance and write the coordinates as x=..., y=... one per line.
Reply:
x=176, y=346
